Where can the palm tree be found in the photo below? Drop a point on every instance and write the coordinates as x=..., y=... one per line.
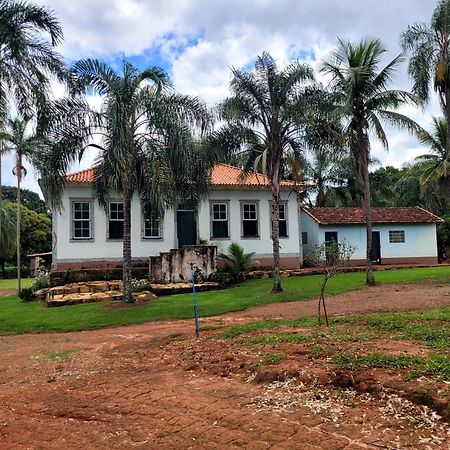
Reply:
x=239, y=260
x=435, y=166
x=262, y=116
x=430, y=59
x=364, y=101
x=24, y=146
x=146, y=143
x=26, y=59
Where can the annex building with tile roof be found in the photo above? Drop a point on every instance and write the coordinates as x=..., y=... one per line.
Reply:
x=400, y=235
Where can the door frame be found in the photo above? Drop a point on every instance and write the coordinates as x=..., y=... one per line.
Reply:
x=376, y=261
x=186, y=209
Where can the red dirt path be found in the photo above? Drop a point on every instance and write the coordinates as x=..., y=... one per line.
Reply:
x=132, y=387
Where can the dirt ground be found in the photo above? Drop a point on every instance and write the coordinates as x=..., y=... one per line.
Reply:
x=154, y=386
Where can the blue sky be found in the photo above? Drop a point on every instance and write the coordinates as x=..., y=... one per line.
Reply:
x=197, y=41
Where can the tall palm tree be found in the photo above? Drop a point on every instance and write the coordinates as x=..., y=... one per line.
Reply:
x=26, y=58
x=146, y=143
x=262, y=116
x=435, y=166
x=364, y=101
x=16, y=138
x=429, y=64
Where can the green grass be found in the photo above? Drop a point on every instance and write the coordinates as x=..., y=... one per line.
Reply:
x=58, y=355
x=273, y=358
x=436, y=365
x=19, y=317
x=12, y=283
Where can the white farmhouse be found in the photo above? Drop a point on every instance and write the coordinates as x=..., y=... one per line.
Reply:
x=400, y=235
x=237, y=209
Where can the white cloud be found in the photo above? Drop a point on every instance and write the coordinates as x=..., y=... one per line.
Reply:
x=200, y=40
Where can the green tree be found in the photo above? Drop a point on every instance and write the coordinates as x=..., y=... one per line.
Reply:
x=35, y=231
x=262, y=119
x=29, y=198
x=429, y=64
x=364, y=100
x=435, y=166
x=146, y=143
x=27, y=58
x=16, y=139
x=8, y=236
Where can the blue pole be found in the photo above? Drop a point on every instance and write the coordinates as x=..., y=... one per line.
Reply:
x=197, y=325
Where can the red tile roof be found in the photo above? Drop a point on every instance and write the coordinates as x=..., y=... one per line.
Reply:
x=83, y=176
x=223, y=175
x=351, y=216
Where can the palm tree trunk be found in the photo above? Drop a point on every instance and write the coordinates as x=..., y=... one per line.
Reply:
x=127, y=294
x=370, y=279
x=275, y=182
x=1, y=206
x=18, y=220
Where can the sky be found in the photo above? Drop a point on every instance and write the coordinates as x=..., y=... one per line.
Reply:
x=198, y=41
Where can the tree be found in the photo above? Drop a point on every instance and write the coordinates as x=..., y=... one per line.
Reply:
x=8, y=236
x=330, y=258
x=364, y=101
x=239, y=260
x=146, y=143
x=24, y=146
x=35, y=231
x=262, y=118
x=430, y=57
x=29, y=198
x=26, y=58
x=435, y=166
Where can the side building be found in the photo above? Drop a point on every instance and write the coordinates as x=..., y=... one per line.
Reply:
x=400, y=235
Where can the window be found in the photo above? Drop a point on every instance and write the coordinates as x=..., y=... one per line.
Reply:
x=304, y=238
x=81, y=220
x=115, y=220
x=219, y=220
x=396, y=236
x=250, y=226
x=152, y=226
x=283, y=220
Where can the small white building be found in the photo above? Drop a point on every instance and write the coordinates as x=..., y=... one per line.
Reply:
x=238, y=209
x=400, y=235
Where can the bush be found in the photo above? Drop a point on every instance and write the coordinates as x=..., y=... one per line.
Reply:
x=41, y=281
x=11, y=272
x=140, y=285
x=443, y=238
x=224, y=279
x=239, y=260
x=26, y=294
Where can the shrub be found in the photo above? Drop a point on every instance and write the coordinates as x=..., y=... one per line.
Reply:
x=140, y=285
x=240, y=261
x=26, y=294
x=41, y=281
x=224, y=279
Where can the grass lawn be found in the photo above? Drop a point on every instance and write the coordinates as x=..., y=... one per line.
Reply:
x=19, y=317
x=12, y=283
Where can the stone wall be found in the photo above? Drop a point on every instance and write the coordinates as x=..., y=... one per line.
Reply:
x=175, y=266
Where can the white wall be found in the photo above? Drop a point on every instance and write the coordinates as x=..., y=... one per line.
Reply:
x=68, y=250
x=99, y=247
x=262, y=245
x=311, y=227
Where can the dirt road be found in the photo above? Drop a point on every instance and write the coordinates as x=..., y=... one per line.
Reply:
x=132, y=387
